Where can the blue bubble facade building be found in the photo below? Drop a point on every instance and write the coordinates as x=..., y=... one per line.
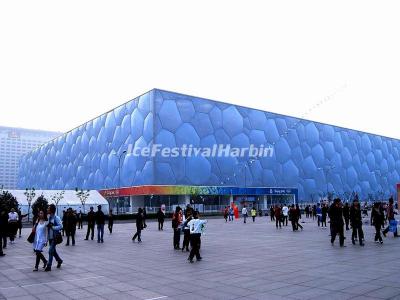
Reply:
x=312, y=158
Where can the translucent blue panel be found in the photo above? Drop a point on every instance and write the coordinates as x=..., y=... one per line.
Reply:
x=169, y=115
x=232, y=121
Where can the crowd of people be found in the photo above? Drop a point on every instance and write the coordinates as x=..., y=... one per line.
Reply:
x=342, y=217
x=49, y=229
x=189, y=222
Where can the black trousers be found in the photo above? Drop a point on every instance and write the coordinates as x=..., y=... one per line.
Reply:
x=347, y=220
x=272, y=217
x=294, y=225
x=39, y=257
x=1, y=244
x=4, y=238
x=70, y=234
x=13, y=227
x=177, y=237
x=160, y=225
x=186, y=239
x=138, y=235
x=195, y=244
x=110, y=226
x=80, y=224
x=378, y=236
x=357, y=229
x=337, y=230
x=90, y=228
x=278, y=221
x=254, y=218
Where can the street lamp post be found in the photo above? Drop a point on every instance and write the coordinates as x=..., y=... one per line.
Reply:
x=326, y=170
x=245, y=166
x=30, y=194
x=119, y=178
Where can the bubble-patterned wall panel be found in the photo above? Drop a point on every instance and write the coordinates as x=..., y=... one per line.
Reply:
x=310, y=156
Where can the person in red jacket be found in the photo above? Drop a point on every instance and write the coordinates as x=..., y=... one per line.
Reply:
x=277, y=213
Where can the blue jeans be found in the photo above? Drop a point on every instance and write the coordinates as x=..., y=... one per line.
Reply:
x=100, y=232
x=53, y=253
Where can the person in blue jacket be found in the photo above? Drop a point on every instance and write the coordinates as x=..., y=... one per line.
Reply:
x=54, y=226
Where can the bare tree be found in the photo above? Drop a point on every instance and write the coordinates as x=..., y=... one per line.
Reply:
x=83, y=196
x=57, y=197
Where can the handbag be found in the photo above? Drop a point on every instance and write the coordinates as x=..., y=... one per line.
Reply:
x=31, y=237
x=58, y=237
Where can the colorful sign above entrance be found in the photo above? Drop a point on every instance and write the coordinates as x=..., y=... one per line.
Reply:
x=196, y=190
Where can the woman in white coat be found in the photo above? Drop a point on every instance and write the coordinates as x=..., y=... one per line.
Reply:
x=40, y=240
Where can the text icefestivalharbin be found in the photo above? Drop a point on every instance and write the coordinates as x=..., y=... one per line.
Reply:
x=190, y=150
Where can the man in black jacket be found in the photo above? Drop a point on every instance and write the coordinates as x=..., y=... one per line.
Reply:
x=100, y=221
x=356, y=222
x=91, y=221
x=139, y=226
x=336, y=216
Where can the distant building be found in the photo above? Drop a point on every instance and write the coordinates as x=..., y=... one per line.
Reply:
x=14, y=143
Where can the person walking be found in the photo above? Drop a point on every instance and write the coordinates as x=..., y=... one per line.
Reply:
x=307, y=211
x=319, y=214
x=324, y=214
x=377, y=220
x=314, y=212
x=40, y=241
x=293, y=217
x=110, y=221
x=91, y=219
x=298, y=217
x=244, y=214
x=139, y=226
x=346, y=215
x=231, y=214
x=20, y=217
x=196, y=227
x=356, y=222
x=336, y=217
x=285, y=212
x=226, y=213
x=79, y=217
x=160, y=219
x=12, y=224
x=3, y=230
x=176, y=223
x=100, y=221
x=253, y=214
x=272, y=213
x=277, y=212
x=390, y=212
x=54, y=227
x=70, y=226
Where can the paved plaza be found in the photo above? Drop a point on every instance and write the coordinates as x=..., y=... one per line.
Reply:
x=240, y=261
